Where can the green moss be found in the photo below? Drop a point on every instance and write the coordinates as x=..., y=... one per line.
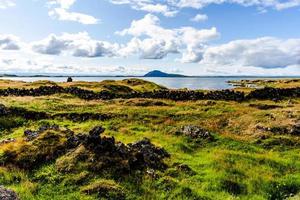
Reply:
x=105, y=189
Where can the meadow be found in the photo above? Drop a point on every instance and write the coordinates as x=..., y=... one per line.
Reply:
x=250, y=149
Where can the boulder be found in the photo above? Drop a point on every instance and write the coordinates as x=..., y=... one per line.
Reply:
x=3, y=110
x=69, y=80
x=6, y=141
x=196, y=132
x=31, y=135
x=149, y=155
x=6, y=194
x=295, y=130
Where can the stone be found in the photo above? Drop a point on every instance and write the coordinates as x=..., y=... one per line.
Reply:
x=195, y=132
x=6, y=194
x=6, y=141
x=3, y=110
x=69, y=80
x=295, y=130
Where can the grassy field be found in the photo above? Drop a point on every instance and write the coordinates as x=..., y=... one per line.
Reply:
x=254, y=154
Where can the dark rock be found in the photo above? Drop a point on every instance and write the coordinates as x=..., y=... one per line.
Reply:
x=185, y=169
x=69, y=80
x=3, y=110
x=177, y=95
x=196, y=132
x=6, y=194
x=274, y=93
x=81, y=117
x=279, y=130
x=295, y=130
x=31, y=135
x=264, y=106
x=145, y=153
x=6, y=141
x=98, y=153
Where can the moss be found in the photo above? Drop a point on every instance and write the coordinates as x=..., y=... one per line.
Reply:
x=47, y=147
x=8, y=123
x=105, y=189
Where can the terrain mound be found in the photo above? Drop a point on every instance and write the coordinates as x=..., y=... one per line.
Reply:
x=87, y=150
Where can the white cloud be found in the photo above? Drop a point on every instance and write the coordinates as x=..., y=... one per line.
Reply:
x=172, y=7
x=160, y=42
x=66, y=4
x=78, y=45
x=64, y=15
x=4, y=4
x=199, y=18
x=275, y=4
x=264, y=52
x=9, y=42
x=148, y=6
x=148, y=48
x=61, y=11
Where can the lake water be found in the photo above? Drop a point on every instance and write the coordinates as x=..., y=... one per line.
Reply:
x=214, y=83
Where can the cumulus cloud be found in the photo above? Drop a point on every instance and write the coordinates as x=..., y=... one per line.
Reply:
x=275, y=4
x=78, y=45
x=4, y=4
x=61, y=11
x=9, y=42
x=64, y=15
x=65, y=4
x=148, y=6
x=264, y=52
x=172, y=7
x=199, y=18
x=160, y=42
x=148, y=48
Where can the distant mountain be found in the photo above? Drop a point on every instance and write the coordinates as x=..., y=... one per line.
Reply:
x=157, y=73
x=8, y=75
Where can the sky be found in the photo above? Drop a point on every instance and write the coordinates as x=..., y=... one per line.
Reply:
x=132, y=37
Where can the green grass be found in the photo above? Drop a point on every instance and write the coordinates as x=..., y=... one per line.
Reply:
x=234, y=166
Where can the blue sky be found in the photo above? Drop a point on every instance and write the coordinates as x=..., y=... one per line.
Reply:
x=195, y=37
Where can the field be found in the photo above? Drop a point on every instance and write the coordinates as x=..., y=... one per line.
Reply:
x=242, y=150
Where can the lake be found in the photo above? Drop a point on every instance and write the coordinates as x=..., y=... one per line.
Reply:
x=213, y=83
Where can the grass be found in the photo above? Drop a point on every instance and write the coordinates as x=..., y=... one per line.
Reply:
x=234, y=166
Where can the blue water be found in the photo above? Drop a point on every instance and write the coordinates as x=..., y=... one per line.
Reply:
x=214, y=83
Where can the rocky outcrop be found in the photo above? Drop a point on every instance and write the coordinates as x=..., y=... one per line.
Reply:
x=3, y=110
x=264, y=106
x=31, y=135
x=177, y=95
x=273, y=93
x=7, y=141
x=35, y=115
x=197, y=133
x=69, y=80
x=6, y=194
x=96, y=152
x=81, y=117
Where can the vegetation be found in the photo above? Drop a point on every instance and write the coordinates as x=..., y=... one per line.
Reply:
x=254, y=153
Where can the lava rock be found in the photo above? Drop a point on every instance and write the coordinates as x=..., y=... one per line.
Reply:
x=69, y=80
x=31, y=135
x=3, y=110
x=6, y=194
x=295, y=130
x=6, y=141
x=195, y=132
x=264, y=106
x=149, y=155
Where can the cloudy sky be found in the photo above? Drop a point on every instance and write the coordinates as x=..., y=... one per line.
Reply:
x=193, y=37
